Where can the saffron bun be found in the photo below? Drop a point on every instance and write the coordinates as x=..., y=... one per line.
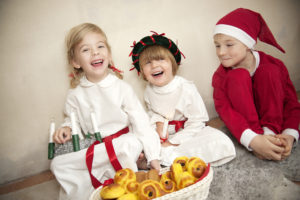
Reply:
x=182, y=161
x=150, y=189
x=153, y=175
x=185, y=179
x=112, y=191
x=168, y=185
x=176, y=170
x=128, y=196
x=166, y=175
x=196, y=167
x=132, y=187
x=124, y=176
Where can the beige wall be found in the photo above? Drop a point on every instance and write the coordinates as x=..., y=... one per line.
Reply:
x=34, y=78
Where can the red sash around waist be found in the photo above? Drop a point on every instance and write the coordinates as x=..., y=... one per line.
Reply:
x=178, y=125
x=110, y=152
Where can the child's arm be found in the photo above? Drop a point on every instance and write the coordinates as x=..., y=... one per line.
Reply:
x=159, y=130
x=267, y=146
x=155, y=164
x=62, y=135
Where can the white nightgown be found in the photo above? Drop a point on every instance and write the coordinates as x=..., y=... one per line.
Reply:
x=116, y=106
x=180, y=100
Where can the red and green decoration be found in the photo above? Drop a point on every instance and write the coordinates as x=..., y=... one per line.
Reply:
x=154, y=39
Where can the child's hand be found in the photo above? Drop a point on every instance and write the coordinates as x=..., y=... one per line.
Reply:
x=267, y=147
x=287, y=143
x=155, y=165
x=159, y=130
x=62, y=135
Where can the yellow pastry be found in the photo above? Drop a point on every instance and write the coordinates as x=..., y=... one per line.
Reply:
x=150, y=189
x=196, y=167
x=123, y=176
x=166, y=175
x=182, y=160
x=129, y=196
x=185, y=179
x=168, y=185
x=112, y=191
x=132, y=187
x=176, y=170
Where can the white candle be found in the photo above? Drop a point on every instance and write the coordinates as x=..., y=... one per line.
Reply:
x=51, y=131
x=94, y=122
x=73, y=123
x=165, y=128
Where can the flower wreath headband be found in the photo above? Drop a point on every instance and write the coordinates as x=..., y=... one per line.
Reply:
x=153, y=39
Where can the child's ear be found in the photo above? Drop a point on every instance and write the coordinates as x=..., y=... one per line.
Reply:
x=75, y=64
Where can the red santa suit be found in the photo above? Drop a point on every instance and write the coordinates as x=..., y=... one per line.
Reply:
x=257, y=103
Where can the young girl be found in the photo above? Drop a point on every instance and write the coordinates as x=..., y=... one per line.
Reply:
x=175, y=102
x=115, y=107
x=253, y=93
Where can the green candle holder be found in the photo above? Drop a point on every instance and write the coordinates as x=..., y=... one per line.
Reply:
x=51, y=150
x=98, y=136
x=75, y=139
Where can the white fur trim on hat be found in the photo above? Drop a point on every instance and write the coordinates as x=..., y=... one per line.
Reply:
x=236, y=33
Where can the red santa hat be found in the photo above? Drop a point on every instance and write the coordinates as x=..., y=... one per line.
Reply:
x=246, y=26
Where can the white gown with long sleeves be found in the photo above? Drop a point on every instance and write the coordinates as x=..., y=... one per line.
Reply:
x=180, y=100
x=116, y=106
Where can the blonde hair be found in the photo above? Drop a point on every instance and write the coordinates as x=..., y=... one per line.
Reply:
x=73, y=38
x=157, y=52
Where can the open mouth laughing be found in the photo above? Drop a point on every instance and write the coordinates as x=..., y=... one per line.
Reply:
x=97, y=63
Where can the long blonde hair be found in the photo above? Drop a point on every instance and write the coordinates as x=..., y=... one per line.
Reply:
x=73, y=38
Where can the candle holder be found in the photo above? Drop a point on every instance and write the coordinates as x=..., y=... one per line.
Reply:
x=75, y=139
x=98, y=137
x=51, y=144
x=51, y=150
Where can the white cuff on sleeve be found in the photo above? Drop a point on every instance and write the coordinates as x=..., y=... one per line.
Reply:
x=292, y=132
x=247, y=137
x=268, y=131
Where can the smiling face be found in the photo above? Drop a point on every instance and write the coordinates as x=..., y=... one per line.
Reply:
x=231, y=52
x=158, y=65
x=92, y=56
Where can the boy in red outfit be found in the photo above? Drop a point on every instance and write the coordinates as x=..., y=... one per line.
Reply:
x=253, y=93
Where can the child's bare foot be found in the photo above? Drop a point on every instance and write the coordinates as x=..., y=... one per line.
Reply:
x=142, y=162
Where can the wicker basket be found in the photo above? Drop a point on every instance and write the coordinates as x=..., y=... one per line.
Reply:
x=197, y=191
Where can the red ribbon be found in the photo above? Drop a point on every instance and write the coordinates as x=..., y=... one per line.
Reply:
x=115, y=69
x=178, y=124
x=155, y=33
x=133, y=44
x=111, y=154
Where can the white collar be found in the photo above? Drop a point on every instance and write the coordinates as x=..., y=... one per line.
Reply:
x=107, y=81
x=170, y=87
x=257, y=61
